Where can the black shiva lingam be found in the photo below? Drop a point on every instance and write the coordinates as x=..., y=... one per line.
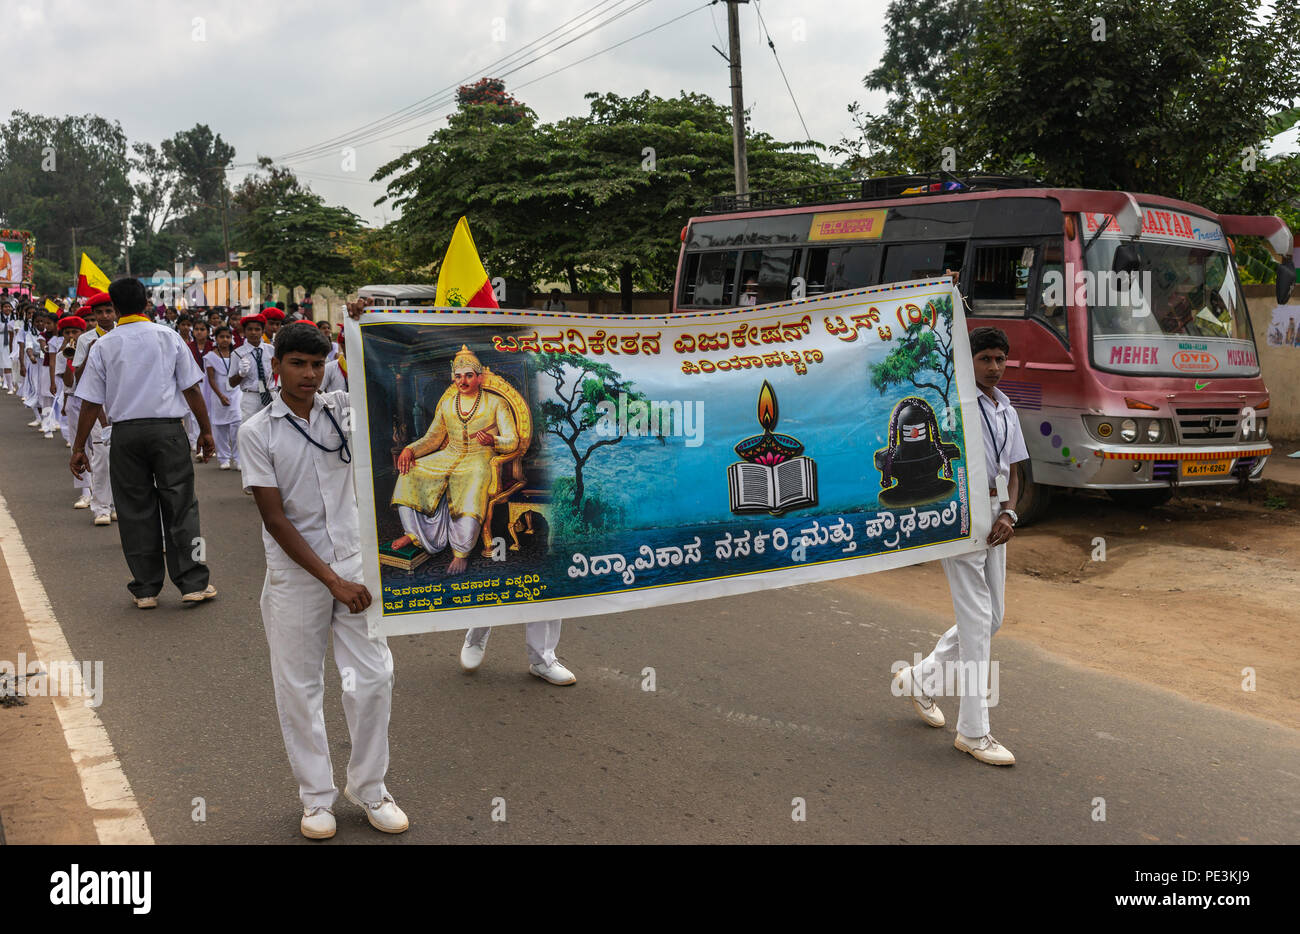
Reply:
x=773, y=476
x=916, y=467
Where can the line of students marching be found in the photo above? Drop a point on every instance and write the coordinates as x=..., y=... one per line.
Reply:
x=42, y=357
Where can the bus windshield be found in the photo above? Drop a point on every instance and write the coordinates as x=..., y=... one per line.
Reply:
x=1180, y=290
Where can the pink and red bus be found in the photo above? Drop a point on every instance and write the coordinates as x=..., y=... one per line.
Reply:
x=1133, y=362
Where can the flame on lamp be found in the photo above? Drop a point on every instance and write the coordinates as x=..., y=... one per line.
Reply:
x=767, y=406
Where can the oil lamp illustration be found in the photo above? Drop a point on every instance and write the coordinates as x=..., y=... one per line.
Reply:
x=772, y=476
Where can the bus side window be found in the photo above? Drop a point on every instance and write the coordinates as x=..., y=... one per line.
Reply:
x=715, y=279
x=814, y=275
x=997, y=284
x=852, y=267
x=1051, y=289
x=765, y=276
x=905, y=261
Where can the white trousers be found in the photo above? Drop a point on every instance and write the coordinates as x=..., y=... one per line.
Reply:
x=101, y=489
x=250, y=403
x=299, y=614
x=977, y=582
x=541, y=639
x=434, y=533
x=225, y=437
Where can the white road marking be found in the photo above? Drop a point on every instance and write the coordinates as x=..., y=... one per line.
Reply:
x=118, y=817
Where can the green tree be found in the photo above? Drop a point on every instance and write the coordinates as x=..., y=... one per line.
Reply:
x=1167, y=97
x=597, y=198
x=922, y=357
x=199, y=159
x=292, y=237
x=581, y=385
x=61, y=173
x=377, y=256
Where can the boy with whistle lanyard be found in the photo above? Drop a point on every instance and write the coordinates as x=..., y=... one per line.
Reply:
x=295, y=458
x=977, y=579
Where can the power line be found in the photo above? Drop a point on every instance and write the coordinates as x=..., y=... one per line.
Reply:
x=669, y=22
x=361, y=138
x=383, y=122
x=772, y=46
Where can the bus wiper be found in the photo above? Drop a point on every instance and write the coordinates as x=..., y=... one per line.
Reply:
x=1100, y=229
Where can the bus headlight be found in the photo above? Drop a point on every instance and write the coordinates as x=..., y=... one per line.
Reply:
x=1155, y=430
x=1128, y=430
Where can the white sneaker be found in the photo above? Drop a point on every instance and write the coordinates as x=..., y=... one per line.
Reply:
x=199, y=596
x=317, y=823
x=225, y=465
x=35, y=424
x=471, y=656
x=49, y=434
x=103, y=520
x=146, y=603
x=67, y=444
x=554, y=673
x=986, y=749
x=383, y=815
x=81, y=503
x=925, y=706
x=113, y=515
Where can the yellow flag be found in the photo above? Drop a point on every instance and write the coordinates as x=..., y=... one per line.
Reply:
x=53, y=308
x=91, y=278
x=462, y=280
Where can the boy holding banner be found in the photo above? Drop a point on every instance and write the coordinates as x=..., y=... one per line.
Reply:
x=977, y=579
x=295, y=460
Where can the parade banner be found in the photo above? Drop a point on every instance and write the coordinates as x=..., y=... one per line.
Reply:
x=513, y=466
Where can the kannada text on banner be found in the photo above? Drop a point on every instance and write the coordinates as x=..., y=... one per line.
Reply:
x=577, y=465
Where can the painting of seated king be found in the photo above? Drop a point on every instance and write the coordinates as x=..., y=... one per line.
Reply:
x=468, y=461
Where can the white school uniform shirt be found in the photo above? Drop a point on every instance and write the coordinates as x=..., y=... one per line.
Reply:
x=1004, y=442
x=249, y=382
x=333, y=380
x=139, y=370
x=84, y=343
x=222, y=366
x=315, y=486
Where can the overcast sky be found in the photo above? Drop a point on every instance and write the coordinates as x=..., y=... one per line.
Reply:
x=276, y=76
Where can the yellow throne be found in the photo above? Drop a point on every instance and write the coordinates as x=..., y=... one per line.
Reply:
x=507, y=469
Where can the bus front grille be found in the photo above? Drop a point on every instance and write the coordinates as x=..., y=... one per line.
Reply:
x=1207, y=425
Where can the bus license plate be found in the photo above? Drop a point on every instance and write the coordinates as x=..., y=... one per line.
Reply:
x=1195, y=469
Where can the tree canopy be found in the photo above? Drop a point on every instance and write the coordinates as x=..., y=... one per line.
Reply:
x=596, y=199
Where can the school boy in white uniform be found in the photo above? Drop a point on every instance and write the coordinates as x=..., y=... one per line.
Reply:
x=101, y=432
x=251, y=371
x=977, y=579
x=295, y=459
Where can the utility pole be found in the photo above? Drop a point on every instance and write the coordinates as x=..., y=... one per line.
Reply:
x=225, y=230
x=76, y=266
x=737, y=98
x=126, y=244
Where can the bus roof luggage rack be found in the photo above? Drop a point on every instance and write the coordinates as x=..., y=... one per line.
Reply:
x=867, y=189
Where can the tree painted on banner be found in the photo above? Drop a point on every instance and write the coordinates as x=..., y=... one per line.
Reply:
x=581, y=385
x=923, y=357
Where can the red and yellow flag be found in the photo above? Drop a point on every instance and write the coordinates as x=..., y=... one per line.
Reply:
x=91, y=279
x=53, y=308
x=462, y=280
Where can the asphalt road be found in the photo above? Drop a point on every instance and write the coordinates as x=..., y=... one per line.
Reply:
x=759, y=700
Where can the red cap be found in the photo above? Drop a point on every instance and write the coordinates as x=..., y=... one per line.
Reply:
x=252, y=319
x=72, y=321
x=273, y=314
x=99, y=298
